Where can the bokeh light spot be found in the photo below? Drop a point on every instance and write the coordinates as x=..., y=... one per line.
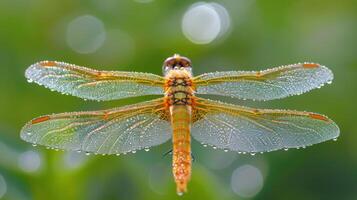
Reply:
x=219, y=160
x=224, y=18
x=29, y=161
x=204, y=22
x=247, y=181
x=74, y=160
x=85, y=34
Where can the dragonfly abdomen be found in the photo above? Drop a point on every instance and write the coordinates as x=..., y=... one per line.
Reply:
x=181, y=119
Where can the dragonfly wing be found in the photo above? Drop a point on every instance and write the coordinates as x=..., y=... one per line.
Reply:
x=270, y=84
x=92, y=84
x=245, y=129
x=112, y=131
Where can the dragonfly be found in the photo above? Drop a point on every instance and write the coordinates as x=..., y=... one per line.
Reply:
x=179, y=112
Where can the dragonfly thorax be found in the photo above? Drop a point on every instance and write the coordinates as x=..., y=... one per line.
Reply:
x=179, y=88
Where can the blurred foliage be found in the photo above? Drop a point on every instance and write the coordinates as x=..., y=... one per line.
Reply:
x=262, y=34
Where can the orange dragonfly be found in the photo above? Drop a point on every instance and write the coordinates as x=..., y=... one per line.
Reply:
x=179, y=113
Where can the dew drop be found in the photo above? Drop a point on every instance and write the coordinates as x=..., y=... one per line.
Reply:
x=205, y=145
x=87, y=153
x=239, y=152
x=85, y=34
x=252, y=154
x=34, y=145
x=285, y=149
x=214, y=147
x=147, y=149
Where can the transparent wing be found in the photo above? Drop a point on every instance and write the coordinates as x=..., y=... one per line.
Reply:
x=112, y=131
x=92, y=84
x=245, y=129
x=270, y=84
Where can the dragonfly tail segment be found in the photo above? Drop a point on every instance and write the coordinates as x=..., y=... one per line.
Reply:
x=181, y=163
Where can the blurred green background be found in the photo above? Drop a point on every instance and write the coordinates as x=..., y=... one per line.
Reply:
x=138, y=35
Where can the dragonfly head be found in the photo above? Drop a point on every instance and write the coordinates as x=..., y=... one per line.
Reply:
x=177, y=62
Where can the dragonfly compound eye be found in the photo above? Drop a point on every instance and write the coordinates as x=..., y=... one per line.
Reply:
x=176, y=62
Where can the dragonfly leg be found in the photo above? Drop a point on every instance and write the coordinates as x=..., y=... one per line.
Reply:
x=193, y=157
x=167, y=153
